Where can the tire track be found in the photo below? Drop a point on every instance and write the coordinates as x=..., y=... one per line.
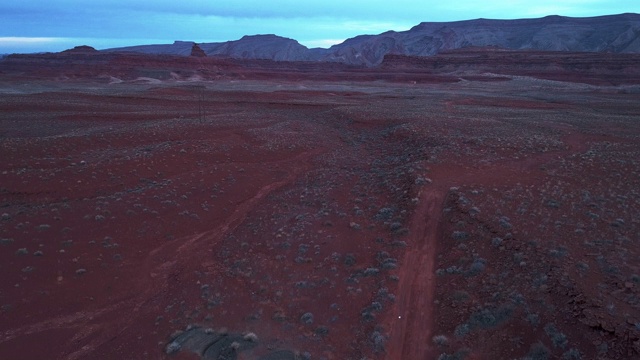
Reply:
x=410, y=325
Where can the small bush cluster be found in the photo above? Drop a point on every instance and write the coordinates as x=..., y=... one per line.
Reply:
x=557, y=338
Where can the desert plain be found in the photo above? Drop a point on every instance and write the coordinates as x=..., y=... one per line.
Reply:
x=479, y=204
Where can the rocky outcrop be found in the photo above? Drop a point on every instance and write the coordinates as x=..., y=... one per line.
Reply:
x=196, y=51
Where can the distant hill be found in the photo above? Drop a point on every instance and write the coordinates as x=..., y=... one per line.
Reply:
x=267, y=47
x=612, y=33
x=177, y=48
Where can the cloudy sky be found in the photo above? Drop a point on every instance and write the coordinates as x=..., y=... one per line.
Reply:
x=54, y=25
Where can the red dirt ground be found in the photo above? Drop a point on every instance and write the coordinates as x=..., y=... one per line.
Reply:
x=446, y=217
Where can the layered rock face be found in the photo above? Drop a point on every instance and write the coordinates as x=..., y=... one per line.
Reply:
x=613, y=33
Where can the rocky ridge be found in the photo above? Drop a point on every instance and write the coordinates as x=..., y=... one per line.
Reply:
x=611, y=33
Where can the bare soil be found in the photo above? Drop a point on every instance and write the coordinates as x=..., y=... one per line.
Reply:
x=258, y=211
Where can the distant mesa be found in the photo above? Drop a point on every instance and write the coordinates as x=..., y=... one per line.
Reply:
x=618, y=34
x=82, y=49
x=603, y=34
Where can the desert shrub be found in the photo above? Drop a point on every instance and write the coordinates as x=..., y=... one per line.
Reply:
x=582, y=266
x=384, y=214
x=572, y=354
x=461, y=330
x=395, y=226
x=504, y=222
x=460, y=235
x=377, y=306
x=518, y=257
x=557, y=338
x=476, y=267
x=517, y=298
x=460, y=296
x=302, y=249
x=538, y=352
x=603, y=348
x=533, y=319
x=350, y=260
x=251, y=337
x=377, y=340
x=302, y=284
x=322, y=330
x=367, y=315
x=440, y=340
x=458, y=355
x=540, y=279
x=172, y=347
x=401, y=232
x=554, y=204
x=559, y=252
x=399, y=244
x=422, y=181
x=279, y=316
x=371, y=271
x=490, y=317
x=389, y=263
x=306, y=318
x=617, y=223
x=496, y=242
x=463, y=200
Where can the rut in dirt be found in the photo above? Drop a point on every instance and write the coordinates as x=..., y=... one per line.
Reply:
x=411, y=322
x=413, y=316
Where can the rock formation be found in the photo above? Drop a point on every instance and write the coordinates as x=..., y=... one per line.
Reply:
x=196, y=51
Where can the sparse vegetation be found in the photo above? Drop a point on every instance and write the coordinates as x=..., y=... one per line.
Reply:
x=440, y=340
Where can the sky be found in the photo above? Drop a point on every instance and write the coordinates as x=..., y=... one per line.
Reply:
x=54, y=25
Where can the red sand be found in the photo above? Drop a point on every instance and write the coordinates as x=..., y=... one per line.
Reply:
x=499, y=216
